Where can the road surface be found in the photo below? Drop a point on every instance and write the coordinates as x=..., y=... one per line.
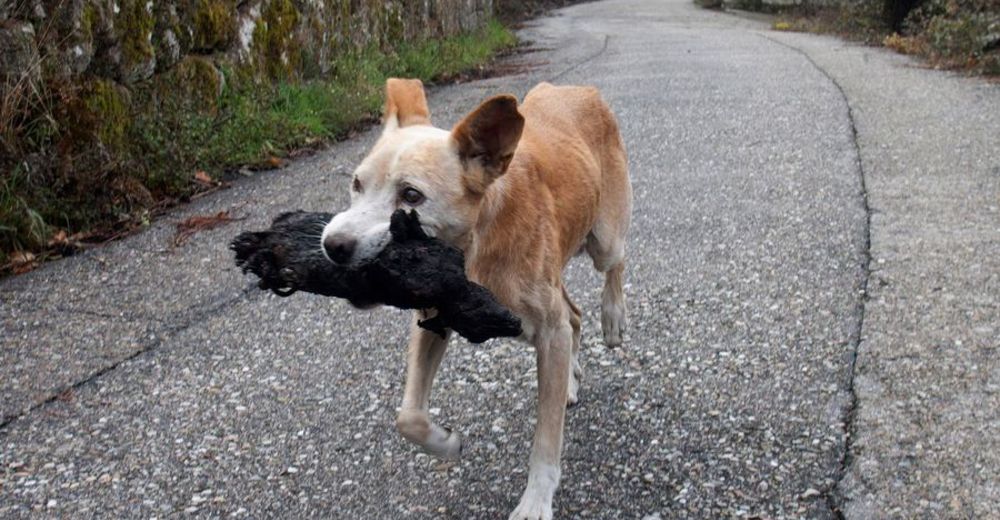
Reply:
x=813, y=274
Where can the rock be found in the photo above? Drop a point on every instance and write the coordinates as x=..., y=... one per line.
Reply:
x=169, y=50
x=249, y=14
x=194, y=84
x=166, y=36
x=19, y=59
x=810, y=493
x=213, y=25
x=135, y=32
x=105, y=111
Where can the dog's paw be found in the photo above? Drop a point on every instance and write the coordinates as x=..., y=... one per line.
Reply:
x=445, y=447
x=536, y=502
x=573, y=390
x=613, y=327
x=613, y=323
x=532, y=510
x=575, y=378
x=416, y=427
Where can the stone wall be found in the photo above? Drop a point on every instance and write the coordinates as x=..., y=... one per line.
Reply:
x=108, y=108
x=130, y=41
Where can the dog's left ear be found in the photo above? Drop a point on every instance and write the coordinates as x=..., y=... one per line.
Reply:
x=486, y=140
x=405, y=104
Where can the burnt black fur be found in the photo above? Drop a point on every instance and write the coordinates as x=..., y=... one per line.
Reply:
x=413, y=272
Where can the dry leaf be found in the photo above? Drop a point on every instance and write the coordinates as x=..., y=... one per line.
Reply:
x=204, y=178
x=187, y=228
x=58, y=238
x=22, y=261
x=64, y=244
x=22, y=257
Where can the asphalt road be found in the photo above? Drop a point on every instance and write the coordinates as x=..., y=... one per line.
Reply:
x=799, y=203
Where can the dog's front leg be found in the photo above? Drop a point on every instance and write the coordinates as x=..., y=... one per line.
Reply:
x=552, y=349
x=423, y=357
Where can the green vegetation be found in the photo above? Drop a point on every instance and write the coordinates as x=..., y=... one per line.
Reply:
x=22, y=227
x=955, y=34
x=856, y=20
x=214, y=24
x=102, y=158
x=105, y=109
x=958, y=33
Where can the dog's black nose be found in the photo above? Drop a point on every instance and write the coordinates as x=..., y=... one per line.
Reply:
x=339, y=248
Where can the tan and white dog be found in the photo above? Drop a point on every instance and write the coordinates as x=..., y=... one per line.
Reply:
x=520, y=190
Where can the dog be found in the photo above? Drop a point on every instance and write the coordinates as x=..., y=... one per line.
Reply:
x=520, y=189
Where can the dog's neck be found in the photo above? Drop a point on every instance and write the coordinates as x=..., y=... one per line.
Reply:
x=506, y=232
x=491, y=208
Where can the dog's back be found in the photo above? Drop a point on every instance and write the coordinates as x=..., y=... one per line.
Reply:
x=569, y=183
x=572, y=135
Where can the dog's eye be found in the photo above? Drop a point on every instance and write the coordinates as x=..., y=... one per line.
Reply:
x=411, y=196
x=356, y=185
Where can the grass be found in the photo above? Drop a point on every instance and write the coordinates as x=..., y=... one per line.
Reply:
x=20, y=225
x=88, y=177
x=252, y=124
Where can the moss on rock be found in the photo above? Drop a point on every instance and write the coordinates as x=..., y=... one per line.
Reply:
x=107, y=107
x=166, y=36
x=214, y=24
x=193, y=84
x=393, y=29
x=65, y=38
x=278, y=51
x=134, y=27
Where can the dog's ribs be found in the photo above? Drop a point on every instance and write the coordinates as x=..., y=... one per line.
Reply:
x=413, y=271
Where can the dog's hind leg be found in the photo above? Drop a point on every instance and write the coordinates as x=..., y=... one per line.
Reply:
x=576, y=375
x=608, y=252
x=613, y=320
x=424, y=354
x=606, y=240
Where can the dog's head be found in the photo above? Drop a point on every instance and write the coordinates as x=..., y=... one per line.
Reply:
x=413, y=165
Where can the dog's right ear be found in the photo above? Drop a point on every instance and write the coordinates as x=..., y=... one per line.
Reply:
x=405, y=104
x=486, y=140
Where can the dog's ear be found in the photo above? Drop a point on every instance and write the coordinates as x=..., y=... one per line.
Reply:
x=486, y=140
x=405, y=104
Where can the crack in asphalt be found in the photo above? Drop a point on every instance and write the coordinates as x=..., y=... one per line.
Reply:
x=584, y=61
x=160, y=336
x=107, y=315
x=61, y=393
x=833, y=496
